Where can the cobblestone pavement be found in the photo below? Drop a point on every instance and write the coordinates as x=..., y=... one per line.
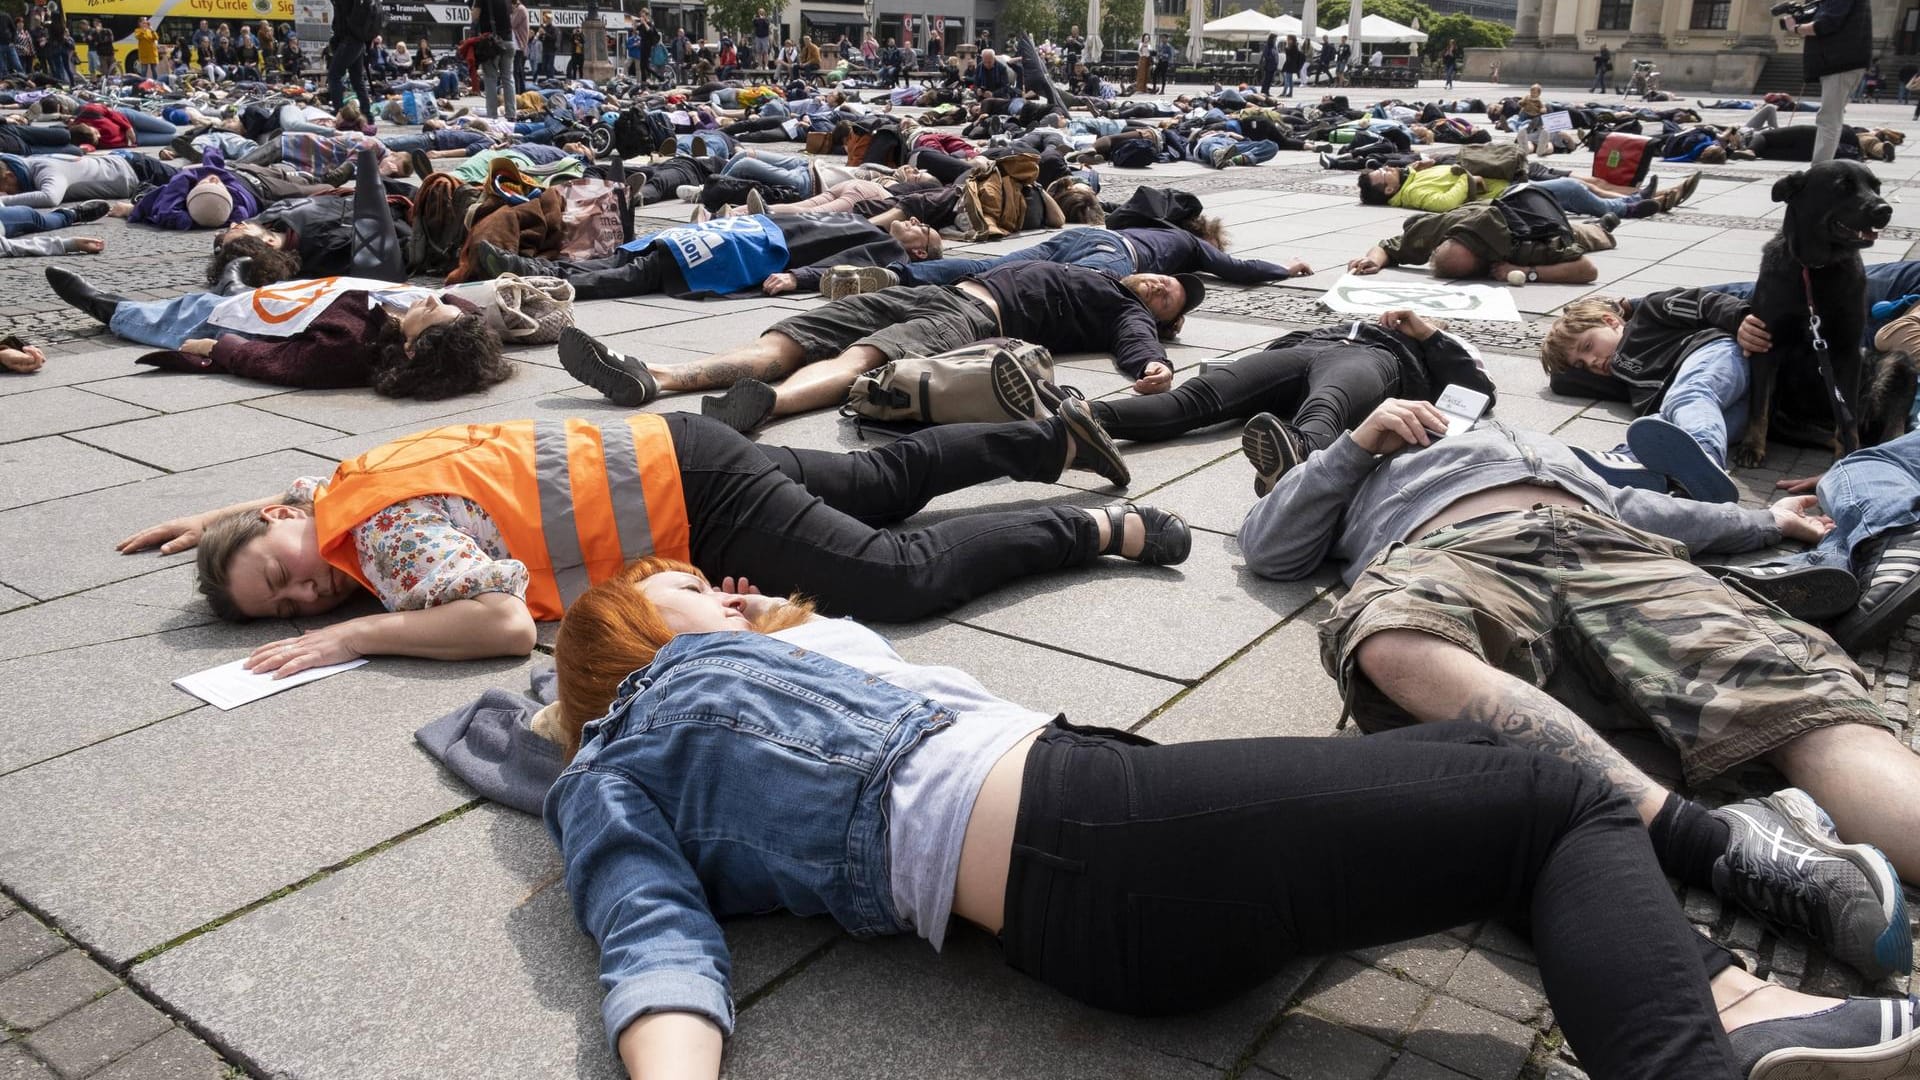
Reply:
x=294, y=889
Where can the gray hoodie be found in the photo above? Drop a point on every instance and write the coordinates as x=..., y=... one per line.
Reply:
x=1347, y=504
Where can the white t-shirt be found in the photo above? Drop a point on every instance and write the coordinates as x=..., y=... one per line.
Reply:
x=934, y=785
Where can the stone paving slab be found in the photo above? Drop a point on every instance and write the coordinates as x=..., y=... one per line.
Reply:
x=60, y=408
x=39, y=470
x=183, y=441
x=180, y=391
x=283, y=788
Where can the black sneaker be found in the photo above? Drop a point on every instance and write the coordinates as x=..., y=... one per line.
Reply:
x=623, y=379
x=1785, y=865
x=1094, y=448
x=91, y=210
x=744, y=408
x=1273, y=447
x=1890, y=572
x=1813, y=593
x=1858, y=1039
x=1014, y=387
x=493, y=260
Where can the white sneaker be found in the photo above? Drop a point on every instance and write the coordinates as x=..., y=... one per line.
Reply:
x=688, y=192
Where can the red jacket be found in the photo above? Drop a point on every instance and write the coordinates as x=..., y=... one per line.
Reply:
x=116, y=131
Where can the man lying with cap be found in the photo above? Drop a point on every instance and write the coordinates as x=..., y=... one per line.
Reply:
x=820, y=352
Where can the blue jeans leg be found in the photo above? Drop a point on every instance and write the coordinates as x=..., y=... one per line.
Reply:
x=148, y=129
x=1866, y=493
x=164, y=324
x=1885, y=281
x=774, y=169
x=1708, y=398
x=25, y=220
x=1576, y=198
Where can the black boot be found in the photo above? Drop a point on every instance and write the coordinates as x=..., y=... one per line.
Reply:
x=233, y=279
x=375, y=244
x=74, y=289
x=493, y=260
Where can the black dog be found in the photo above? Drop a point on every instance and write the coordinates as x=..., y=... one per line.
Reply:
x=1813, y=266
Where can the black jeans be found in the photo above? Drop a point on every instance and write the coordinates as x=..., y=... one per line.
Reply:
x=348, y=60
x=1157, y=879
x=805, y=520
x=1321, y=388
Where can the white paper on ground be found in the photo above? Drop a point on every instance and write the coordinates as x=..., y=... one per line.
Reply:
x=230, y=686
x=1356, y=295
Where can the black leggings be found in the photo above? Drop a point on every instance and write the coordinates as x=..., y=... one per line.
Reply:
x=1158, y=879
x=805, y=520
x=1321, y=388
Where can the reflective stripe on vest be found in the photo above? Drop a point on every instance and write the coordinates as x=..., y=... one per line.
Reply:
x=552, y=476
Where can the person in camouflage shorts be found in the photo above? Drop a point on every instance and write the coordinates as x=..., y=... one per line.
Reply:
x=1722, y=677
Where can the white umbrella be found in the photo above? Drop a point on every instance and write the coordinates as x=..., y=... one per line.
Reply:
x=1193, y=30
x=1091, y=55
x=1379, y=28
x=1146, y=20
x=1309, y=28
x=1245, y=25
x=1354, y=27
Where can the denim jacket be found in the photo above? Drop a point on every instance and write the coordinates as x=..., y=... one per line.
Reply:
x=736, y=774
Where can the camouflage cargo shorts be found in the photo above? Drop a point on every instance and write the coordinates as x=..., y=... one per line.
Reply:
x=1720, y=676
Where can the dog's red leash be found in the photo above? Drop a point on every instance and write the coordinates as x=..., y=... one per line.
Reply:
x=1845, y=428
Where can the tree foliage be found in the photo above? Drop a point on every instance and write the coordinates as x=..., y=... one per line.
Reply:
x=1041, y=18
x=735, y=16
x=1470, y=32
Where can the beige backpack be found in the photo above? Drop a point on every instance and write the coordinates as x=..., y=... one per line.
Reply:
x=530, y=310
x=955, y=387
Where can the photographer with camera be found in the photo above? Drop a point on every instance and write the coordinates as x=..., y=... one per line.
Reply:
x=1839, y=44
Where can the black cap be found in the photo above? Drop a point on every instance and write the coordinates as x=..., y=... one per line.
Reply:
x=1196, y=290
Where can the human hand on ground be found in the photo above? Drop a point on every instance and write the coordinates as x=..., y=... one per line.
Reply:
x=315, y=648
x=24, y=360
x=88, y=245
x=1363, y=265
x=1752, y=336
x=1154, y=378
x=1398, y=423
x=1799, y=486
x=779, y=283
x=1794, y=514
x=200, y=346
x=170, y=536
x=1299, y=268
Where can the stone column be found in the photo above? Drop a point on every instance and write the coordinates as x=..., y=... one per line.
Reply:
x=593, y=40
x=1643, y=30
x=1550, y=37
x=1526, y=25
x=1750, y=24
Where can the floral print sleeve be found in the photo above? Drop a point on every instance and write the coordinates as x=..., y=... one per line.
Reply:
x=435, y=549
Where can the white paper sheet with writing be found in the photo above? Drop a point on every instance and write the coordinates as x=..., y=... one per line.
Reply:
x=230, y=686
x=1371, y=295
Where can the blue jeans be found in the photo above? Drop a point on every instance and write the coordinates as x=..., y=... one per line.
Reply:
x=24, y=220
x=1885, y=281
x=1096, y=249
x=148, y=129
x=1576, y=198
x=164, y=324
x=10, y=60
x=1708, y=398
x=1866, y=493
x=1254, y=150
x=292, y=118
x=787, y=170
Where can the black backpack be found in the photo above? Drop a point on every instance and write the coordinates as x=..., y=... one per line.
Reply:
x=637, y=131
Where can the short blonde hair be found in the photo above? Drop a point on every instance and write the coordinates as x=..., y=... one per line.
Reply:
x=1556, y=351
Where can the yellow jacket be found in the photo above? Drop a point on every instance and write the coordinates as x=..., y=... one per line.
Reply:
x=1441, y=188
x=148, y=44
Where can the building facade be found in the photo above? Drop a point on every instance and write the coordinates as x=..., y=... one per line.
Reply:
x=1717, y=46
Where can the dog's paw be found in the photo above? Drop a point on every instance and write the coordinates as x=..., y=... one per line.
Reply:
x=1749, y=456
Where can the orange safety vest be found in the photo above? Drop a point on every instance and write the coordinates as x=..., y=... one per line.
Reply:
x=575, y=501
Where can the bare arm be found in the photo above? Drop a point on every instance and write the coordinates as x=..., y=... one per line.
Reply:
x=184, y=532
x=491, y=624
x=1580, y=271
x=671, y=1046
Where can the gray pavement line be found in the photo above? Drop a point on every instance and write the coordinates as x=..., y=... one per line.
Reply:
x=123, y=982
x=1245, y=1061
x=1286, y=620
x=4, y=773
x=318, y=875
x=789, y=973
x=1101, y=660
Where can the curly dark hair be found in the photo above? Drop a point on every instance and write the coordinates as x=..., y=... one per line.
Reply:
x=270, y=264
x=454, y=358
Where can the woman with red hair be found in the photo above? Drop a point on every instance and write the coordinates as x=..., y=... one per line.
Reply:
x=735, y=753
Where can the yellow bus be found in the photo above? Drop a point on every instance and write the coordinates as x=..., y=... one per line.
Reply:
x=173, y=20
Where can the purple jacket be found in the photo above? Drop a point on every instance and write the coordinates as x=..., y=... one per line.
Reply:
x=166, y=205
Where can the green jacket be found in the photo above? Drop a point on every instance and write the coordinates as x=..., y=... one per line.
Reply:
x=1484, y=228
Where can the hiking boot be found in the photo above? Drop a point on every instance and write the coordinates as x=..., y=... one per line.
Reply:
x=1687, y=188
x=1858, y=1039
x=1784, y=864
x=744, y=408
x=623, y=380
x=1665, y=447
x=1219, y=157
x=1094, y=449
x=1890, y=570
x=1646, y=208
x=1649, y=189
x=1621, y=470
x=854, y=280
x=1273, y=447
x=1609, y=221
x=492, y=261
x=1802, y=590
x=75, y=290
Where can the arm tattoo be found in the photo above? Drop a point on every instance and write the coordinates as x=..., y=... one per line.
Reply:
x=1531, y=719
